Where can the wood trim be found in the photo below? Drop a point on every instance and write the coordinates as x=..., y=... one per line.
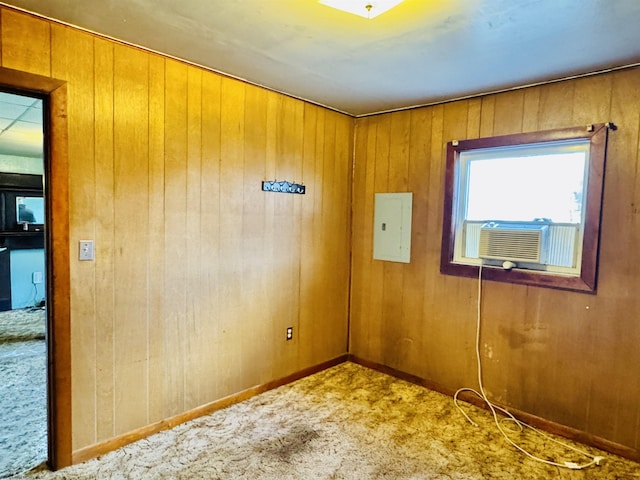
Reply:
x=58, y=279
x=101, y=448
x=587, y=280
x=30, y=82
x=533, y=420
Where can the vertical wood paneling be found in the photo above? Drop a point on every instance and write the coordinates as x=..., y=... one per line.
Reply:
x=73, y=58
x=330, y=335
x=618, y=276
x=487, y=115
x=335, y=334
x=561, y=355
x=330, y=235
x=177, y=274
x=358, y=243
x=530, y=109
x=175, y=254
x=197, y=272
x=372, y=291
x=156, y=266
x=432, y=250
x=105, y=237
x=415, y=348
x=131, y=221
x=254, y=274
x=26, y=43
x=309, y=271
x=452, y=326
x=398, y=337
x=589, y=102
x=474, y=114
x=508, y=113
x=193, y=314
x=327, y=227
x=555, y=107
x=288, y=149
x=271, y=227
x=210, y=234
x=231, y=208
x=377, y=267
x=320, y=313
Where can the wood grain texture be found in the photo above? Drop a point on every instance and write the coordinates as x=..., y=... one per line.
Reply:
x=197, y=272
x=75, y=63
x=105, y=237
x=158, y=322
x=563, y=356
x=26, y=43
x=60, y=433
x=195, y=204
x=175, y=254
x=156, y=240
x=130, y=226
x=57, y=242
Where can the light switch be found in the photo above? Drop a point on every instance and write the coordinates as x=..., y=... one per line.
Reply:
x=86, y=251
x=392, y=227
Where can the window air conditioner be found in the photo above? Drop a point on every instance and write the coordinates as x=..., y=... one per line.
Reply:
x=516, y=242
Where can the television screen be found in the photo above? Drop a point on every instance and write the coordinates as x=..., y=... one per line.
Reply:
x=30, y=210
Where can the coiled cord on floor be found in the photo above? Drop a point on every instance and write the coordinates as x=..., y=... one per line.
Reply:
x=594, y=460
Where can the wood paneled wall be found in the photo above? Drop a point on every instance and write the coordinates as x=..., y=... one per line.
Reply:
x=568, y=357
x=197, y=271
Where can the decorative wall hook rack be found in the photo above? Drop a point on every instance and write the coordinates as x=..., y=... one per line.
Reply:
x=283, y=187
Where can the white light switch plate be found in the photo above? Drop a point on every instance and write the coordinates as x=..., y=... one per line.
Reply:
x=86, y=251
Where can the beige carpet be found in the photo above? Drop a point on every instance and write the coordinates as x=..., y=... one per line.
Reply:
x=23, y=383
x=22, y=325
x=347, y=422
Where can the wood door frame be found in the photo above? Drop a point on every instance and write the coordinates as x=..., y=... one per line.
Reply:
x=56, y=168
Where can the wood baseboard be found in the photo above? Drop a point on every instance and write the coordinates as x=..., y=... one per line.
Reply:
x=533, y=420
x=107, y=446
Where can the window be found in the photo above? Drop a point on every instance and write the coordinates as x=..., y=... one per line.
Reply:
x=527, y=206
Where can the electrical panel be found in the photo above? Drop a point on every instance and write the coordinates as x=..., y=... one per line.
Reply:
x=392, y=227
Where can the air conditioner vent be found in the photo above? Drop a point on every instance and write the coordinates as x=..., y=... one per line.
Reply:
x=523, y=242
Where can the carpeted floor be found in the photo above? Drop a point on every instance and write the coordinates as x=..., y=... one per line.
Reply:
x=347, y=422
x=23, y=380
x=22, y=325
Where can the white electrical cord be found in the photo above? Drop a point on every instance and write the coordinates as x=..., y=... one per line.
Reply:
x=35, y=294
x=595, y=460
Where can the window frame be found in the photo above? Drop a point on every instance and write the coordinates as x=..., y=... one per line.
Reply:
x=597, y=135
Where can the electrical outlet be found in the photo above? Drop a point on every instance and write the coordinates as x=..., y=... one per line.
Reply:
x=36, y=277
x=289, y=333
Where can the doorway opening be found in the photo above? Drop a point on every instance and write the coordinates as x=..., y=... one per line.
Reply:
x=23, y=284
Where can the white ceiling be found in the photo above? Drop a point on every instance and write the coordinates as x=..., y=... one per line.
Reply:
x=21, y=126
x=420, y=52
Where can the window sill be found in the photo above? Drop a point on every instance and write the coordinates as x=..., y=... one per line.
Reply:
x=521, y=276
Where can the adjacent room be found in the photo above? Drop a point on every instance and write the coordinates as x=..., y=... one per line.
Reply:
x=23, y=363
x=256, y=210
